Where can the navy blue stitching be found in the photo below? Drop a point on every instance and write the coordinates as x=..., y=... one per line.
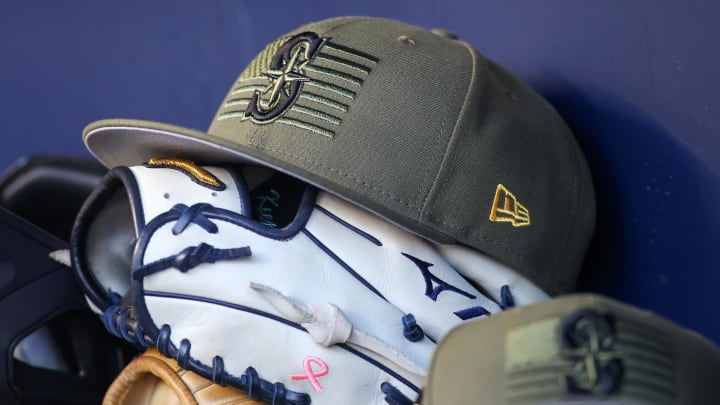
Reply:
x=278, y=392
x=218, y=371
x=115, y=321
x=251, y=376
x=254, y=311
x=342, y=263
x=506, y=298
x=393, y=396
x=183, y=353
x=193, y=214
x=231, y=217
x=473, y=312
x=257, y=388
x=411, y=330
x=121, y=322
x=162, y=335
x=163, y=340
x=191, y=257
x=292, y=229
x=106, y=319
x=139, y=332
x=358, y=231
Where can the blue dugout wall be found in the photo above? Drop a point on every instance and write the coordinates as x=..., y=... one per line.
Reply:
x=638, y=81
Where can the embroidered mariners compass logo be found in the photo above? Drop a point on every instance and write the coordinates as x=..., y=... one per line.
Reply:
x=305, y=81
x=588, y=341
x=286, y=76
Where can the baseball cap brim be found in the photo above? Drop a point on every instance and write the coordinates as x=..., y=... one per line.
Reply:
x=127, y=142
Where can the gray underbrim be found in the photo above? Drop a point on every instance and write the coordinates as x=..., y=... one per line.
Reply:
x=127, y=142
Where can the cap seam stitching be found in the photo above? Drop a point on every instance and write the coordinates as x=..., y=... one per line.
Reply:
x=452, y=135
x=500, y=245
x=426, y=176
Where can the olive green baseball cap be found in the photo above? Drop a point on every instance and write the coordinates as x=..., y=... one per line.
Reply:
x=411, y=124
x=578, y=349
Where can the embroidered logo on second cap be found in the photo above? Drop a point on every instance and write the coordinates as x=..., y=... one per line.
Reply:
x=588, y=340
x=286, y=75
x=506, y=208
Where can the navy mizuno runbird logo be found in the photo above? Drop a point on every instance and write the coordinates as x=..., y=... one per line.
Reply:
x=435, y=285
x=286, y=75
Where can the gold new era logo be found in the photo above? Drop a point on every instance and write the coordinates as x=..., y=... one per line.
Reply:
x=506, y=208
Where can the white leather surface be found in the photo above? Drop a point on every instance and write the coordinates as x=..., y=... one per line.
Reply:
x=304, y=275
x=162, y=188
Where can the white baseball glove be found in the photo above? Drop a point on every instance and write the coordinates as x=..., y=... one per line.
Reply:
x=255, y=280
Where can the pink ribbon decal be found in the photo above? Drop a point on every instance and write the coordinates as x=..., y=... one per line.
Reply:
x=311, y=374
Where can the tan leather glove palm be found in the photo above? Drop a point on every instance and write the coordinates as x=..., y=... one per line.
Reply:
x=154, y=379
